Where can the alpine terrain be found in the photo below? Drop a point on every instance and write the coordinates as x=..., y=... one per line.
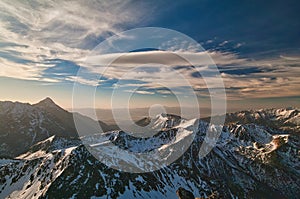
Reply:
x=256, y=156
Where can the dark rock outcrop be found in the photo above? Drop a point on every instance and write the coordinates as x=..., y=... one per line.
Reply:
x=184, y=194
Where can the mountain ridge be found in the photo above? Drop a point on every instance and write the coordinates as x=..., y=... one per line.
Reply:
x=249, y=160
x=32, y=123
x=201, y=176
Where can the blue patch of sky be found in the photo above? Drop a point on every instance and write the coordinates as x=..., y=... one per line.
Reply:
x=144, y=50
x=61, y=68
x=244, y=70
x=14, y=57
x=261, y=25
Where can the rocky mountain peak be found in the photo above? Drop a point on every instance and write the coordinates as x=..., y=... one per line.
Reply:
x=252, y=158
x=47, y=102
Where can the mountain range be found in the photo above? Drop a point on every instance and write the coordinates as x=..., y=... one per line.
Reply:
x=42, y=156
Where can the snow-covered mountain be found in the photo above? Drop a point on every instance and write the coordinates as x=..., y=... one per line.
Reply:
x=23, y=124
x=250, y=160
x=287, y=119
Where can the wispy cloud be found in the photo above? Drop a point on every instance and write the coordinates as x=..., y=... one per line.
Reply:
x=33, y=31
x=141, y=92
x=243, y=78
x=41, y=40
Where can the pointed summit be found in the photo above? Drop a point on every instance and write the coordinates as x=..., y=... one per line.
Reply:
x=47, y=102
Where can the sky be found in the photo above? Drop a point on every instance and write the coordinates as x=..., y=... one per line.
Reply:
x=47, y=47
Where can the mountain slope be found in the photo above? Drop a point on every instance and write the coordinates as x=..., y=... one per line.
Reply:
x=248, y=161
x=286, y=119
x=23, y=124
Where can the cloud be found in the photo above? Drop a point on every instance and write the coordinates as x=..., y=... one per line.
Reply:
x=169, y=58
x=238, y=45
x=223, y=43
x=243, y=78
x=83, y=81
x=261, y=85
x=144, y=92
x=48, y=41
x=164, y=65
x=35, y=31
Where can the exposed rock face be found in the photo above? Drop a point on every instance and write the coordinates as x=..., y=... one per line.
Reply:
x=23, y=125
x=184, y=194
x=286, y=119
x=248, y=161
